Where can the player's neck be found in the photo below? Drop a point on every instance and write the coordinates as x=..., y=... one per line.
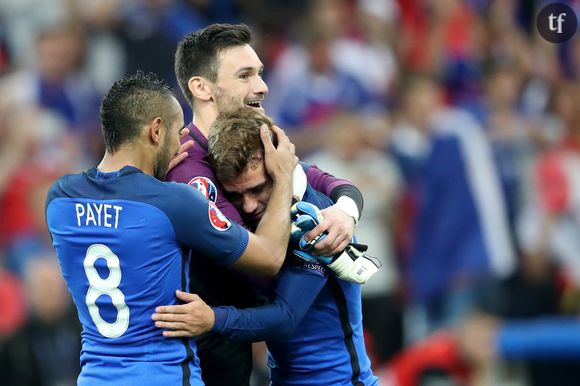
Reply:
x=204, y=117
x=122, y=158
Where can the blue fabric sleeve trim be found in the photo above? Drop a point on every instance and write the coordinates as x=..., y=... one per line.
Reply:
x=239, y=251
x=221, y=315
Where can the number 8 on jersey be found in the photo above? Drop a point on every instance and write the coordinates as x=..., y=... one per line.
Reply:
x=108, y=286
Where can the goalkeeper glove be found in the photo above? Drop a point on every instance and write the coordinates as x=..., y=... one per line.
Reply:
x=354, y=265
x=306, y=217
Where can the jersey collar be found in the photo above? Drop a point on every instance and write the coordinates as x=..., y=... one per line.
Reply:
x=197, y=136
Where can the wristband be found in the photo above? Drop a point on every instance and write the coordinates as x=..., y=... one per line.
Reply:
x=348, y=206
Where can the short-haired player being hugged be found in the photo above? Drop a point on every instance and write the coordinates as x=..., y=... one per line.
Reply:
x=313, y=323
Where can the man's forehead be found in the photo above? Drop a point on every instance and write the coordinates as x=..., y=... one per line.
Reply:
x=235, y=58
x=251, y=178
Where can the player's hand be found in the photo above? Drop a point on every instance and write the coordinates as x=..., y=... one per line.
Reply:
x=339, y=228
x=280, y=161
x=182, y=152
x=193, y=318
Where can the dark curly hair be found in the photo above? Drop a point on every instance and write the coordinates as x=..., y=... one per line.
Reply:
x=130, y=103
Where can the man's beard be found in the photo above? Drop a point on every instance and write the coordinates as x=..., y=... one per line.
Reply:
x=225, y=102
x=161, y=165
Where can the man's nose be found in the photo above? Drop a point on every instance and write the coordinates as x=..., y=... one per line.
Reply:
x=260, y=87
x=249, y=204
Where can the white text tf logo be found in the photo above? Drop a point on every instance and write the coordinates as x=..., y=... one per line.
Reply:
x=557, y=22
x=559, y=19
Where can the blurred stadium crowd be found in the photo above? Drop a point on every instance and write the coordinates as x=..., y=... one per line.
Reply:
x=457, y=121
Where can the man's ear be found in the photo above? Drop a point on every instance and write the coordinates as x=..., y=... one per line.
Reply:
x=155, y=129
x=200, y=88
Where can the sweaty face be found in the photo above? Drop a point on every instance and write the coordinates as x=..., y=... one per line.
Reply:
x=250, y=193
x=170, y=142
x=239, y=80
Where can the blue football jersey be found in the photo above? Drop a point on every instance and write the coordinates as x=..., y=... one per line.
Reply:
x=327, y=347
x=313, y=326
x=124, y=240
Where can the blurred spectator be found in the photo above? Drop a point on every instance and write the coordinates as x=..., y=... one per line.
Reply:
x=33, y=153
x=63, y=87
x=59, y=85
x=12, y=308
x=149, y=26
x=45, y=351
x=515, y=323
x=435, y=361
x=458, y=230
x=4, y=54
x=434, y=34
x=506, y=41
x=509, y=133
x=550, y=221
x=307, y=87
x=31, y=242
x=22, y=21
x=349, y=152
x=368, y=56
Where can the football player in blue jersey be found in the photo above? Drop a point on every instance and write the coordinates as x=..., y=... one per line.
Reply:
x=124, y=238
x=313, y=323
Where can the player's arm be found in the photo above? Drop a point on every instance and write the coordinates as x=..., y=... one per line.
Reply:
x=295, y=292
x=201, y=226
x=340, y=218
x=267, y=247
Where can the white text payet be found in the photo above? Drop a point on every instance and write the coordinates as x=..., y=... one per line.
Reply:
x=95, y=214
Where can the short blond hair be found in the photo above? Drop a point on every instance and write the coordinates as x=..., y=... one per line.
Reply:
x=235, y=143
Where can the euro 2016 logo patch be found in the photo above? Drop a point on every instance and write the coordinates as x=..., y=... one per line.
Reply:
x=205, y=186
x=217, y=218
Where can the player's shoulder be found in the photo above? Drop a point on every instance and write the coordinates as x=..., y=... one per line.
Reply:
x=63, y=184
x=70, y=178
x=195, y=165
x=199, y=175
x=175, y=195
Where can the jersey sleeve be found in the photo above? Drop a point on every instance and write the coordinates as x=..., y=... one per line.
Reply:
x=333, y=187
x=298, y=285
x=322, y=181
x=197, y=173
x=202, y=227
